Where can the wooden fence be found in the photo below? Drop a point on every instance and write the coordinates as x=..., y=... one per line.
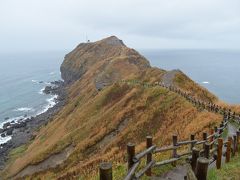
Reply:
x=209, y=150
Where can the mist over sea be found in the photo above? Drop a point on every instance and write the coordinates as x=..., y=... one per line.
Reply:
x=217, y=70
x=23, y=77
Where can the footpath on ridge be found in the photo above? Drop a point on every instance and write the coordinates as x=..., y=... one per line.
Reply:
x=180, y=172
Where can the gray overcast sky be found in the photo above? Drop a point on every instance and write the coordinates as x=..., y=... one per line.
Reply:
x=39, y=25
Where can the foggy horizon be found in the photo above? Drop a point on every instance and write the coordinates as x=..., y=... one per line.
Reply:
x=42, y=26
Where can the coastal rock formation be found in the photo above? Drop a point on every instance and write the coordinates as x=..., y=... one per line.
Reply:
x=102, y=113
x=23, y=130
x=102, y=56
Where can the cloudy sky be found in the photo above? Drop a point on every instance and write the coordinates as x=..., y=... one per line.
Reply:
x=44, y=25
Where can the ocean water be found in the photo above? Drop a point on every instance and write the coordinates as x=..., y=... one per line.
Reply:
x=23, y=76
x=217, y=70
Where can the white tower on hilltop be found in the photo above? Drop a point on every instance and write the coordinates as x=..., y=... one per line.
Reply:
x=87, y=40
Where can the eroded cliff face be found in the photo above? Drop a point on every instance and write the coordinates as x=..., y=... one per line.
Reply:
x=105, y=54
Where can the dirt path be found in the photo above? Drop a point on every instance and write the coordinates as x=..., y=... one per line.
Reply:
x=51, y=162
x=168, y=77
x=107, y=138
x=59, y=158
x=177, y=173
x=232, y=130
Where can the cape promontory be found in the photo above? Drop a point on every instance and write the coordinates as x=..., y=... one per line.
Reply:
x=103, y=113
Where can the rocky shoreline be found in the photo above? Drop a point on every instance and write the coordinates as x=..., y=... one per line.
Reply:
x=24, y=130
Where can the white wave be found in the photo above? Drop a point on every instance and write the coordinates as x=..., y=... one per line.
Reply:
x=206, y=82
x=15, y=119
x=34, y=81
x=51, y=102
x=24, y=109
x=47, y=83
x=5, y=139
x=41, y=91
x=52, y=73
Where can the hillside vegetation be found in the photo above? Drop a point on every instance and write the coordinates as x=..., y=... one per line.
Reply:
x=102, y=115
x=228, y=171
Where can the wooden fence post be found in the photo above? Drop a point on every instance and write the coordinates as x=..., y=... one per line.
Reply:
x=174, y=155
x=105, y=171
x=221, y=130
x=234, y=144
x=149, y=155
x=212, y=138
x=238, y=138
x=195, y=155
x=228, y=150
x=202, y=168
x=219, y=153
x=204, y=138
x=131, y=154
x=215, y=129
x=207, y=150
x=192, y=139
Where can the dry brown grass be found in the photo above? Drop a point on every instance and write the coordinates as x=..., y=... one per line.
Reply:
x=89, y=115
x=154, y=111
x=195, y=90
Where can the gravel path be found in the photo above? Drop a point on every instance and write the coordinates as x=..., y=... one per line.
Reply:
x=168, y=77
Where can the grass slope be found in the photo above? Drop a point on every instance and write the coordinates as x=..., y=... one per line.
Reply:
x=230, y=170
x=146, y=111
x=99, y=124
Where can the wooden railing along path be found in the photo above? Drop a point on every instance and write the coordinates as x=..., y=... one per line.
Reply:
x=200, y=155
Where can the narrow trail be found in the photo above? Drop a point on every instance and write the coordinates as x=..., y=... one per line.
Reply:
x=177, y=173
x=180, y=172
x=169, y=76
x=59, y=158
x=50, y=162
x=231, y=130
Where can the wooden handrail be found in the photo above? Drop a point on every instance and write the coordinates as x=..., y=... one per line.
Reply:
x=185, y=154
x=131, y=172
x=200, y=142
x=144, y=153
x=144, y=170
x=211, y=144
x=187, y=142
x=163, y=149
x=166, y=161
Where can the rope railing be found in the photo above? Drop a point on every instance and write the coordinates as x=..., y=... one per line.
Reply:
x=202, y=152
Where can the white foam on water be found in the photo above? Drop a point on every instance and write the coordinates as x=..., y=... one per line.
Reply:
x=206, y=82
x=52, y=73
x=24, y=109
x=34, y=81
x=12, y=121
x=47, y=83
x=51, y=102
x=5, y=139
x=15, y=119
x=41, y=91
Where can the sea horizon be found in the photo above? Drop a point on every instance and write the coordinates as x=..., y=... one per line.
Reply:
x=35, y=74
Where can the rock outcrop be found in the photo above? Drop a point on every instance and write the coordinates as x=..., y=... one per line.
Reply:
x=104, y=54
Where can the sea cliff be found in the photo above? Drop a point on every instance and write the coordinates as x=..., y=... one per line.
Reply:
x=102, y=114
